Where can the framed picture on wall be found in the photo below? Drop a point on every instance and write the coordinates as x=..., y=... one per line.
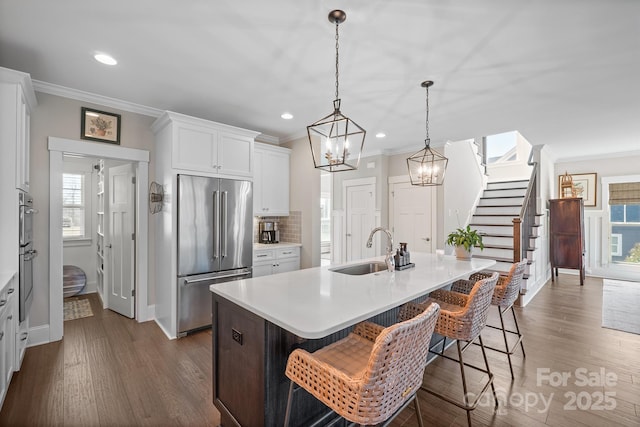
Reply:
x=100, y=126
x=585, y=186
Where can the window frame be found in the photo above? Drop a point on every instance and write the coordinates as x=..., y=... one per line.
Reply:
x=86, y=237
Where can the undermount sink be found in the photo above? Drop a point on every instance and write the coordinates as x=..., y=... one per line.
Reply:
x=361, y=269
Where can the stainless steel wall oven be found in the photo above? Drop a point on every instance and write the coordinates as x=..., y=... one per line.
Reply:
x=27, y=254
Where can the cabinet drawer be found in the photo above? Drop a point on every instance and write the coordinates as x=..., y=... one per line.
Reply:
x=263, y=255
x=288, y=253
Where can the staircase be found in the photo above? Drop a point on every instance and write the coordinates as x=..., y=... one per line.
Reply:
x=500, y=203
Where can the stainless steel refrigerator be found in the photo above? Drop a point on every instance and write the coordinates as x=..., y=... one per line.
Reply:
x=215, y=238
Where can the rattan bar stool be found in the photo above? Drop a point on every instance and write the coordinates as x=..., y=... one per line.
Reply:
x=369, y=376
x=504, y=297
x=461, y=318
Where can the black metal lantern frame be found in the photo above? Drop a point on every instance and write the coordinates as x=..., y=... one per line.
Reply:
x=336, y=140
x=427, y=167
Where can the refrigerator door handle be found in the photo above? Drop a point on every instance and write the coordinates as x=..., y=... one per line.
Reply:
x=209, y=279
x=223, y=243
x=216, y=224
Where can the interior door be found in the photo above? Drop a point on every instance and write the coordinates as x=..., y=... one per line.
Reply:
x=411, y=216
x=360, y=220
x=121, y=245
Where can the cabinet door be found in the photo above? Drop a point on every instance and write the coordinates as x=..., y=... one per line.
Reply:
x=276, y=176
x=23, y=143
x=195, y=149
x=258, y=186
x=260, y=270
x=288, y=264
x=235, y=155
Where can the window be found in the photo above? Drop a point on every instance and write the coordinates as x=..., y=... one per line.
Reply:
x=501, y=148
x=624, y=215
x=74, y=206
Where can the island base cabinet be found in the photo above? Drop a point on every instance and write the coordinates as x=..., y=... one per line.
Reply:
x=249, y=360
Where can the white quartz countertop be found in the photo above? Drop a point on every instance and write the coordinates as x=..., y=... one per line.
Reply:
x=281, y=245
x=316, y=302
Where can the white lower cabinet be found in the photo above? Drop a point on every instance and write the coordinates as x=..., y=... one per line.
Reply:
x=272, y=261
x=8, y=321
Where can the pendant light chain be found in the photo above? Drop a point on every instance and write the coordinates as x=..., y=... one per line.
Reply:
x=337, y=61
x=427, y=141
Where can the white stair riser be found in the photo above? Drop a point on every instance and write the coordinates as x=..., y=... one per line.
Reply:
x=502, y=201
x=506, y=192
x=508, y=184
x=493, y=229
x=495, y=253
x=497, y=241
x=502, y=210
x=506, y=220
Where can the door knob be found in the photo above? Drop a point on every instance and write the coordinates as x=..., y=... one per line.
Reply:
x=348, y=234
x=109, y=245
x=426, y=239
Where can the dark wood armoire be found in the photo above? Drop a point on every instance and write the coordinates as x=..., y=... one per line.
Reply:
x=566, y=235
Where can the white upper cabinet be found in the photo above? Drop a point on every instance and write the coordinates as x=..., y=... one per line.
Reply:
x=17, y=99
x=271, y=180
x=206, y=147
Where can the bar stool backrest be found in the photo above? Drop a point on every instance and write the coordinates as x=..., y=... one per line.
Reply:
x=477, y=308
x=396, y=365
x=508, y=288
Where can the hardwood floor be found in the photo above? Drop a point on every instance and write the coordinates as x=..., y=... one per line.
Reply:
x=112, y=371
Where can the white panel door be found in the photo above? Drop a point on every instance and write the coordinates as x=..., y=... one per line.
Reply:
x=121, y=248
x=360, y=220
x=412, y=216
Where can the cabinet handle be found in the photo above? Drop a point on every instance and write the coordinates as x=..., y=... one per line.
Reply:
x=10, y=317
x=1, y=335
x=287, y=253
x=25, y=335
x=10, y=291
x=3, y=302
x=261, y=256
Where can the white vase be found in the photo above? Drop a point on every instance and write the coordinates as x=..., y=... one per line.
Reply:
x=462, y=253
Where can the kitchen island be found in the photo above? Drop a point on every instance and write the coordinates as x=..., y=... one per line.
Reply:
x=258, y=322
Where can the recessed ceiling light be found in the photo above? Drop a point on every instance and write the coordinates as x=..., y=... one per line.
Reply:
x=380, y=135
x=105, y=59
x=287, y=116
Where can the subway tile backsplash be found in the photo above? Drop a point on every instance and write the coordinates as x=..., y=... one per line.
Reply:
x=290, y=226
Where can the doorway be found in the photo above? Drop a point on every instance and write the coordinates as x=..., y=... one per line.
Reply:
x=359, y=201
x=139, y=159
x=412, y=214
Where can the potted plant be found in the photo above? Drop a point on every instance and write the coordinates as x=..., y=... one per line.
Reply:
x=464, y=240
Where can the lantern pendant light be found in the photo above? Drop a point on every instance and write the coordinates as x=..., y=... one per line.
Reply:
x=336, y=140
x=427, y=166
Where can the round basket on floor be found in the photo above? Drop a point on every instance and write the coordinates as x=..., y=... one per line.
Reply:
x=73, y=280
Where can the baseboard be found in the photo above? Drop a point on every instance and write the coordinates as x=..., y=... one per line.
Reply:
x=150, y=314
x=164, y=330
x=38, y=335
x=528, y=297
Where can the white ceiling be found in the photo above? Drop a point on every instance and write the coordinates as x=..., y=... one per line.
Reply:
x=561, y=72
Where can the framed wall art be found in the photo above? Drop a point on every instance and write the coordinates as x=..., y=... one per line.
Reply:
x=584, y=185
x=100, y=126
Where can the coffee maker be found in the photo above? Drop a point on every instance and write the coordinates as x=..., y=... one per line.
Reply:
x=268, y=232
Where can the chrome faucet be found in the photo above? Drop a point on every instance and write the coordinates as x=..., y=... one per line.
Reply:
x=388, y=259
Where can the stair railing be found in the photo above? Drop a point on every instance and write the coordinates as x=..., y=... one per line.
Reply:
x=523, y=223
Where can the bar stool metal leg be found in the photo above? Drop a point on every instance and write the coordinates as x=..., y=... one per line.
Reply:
x=506, y=342
x=289, y=400
x=515, y=320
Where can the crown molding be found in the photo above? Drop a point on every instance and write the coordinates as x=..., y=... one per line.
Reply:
x=613, y=155
x=269, y=139
x=79, y=95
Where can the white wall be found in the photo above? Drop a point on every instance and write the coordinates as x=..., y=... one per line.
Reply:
x=58, y=116
x=463, y=185
x=304, y=196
